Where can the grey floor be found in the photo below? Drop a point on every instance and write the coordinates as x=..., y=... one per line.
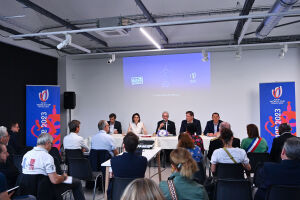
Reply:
x=166, y=172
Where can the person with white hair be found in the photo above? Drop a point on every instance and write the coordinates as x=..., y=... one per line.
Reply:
x=166, y=124
x=39, y=162
x=287, y=172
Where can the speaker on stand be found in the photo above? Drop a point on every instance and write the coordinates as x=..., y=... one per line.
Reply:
x=69, y=102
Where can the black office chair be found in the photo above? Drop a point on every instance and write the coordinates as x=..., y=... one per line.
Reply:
x=233, y=190
x=17, y=160
x=200, y=175
x=230, y=171
x=73, y=153
x=257, y=179
x=279, y=192
x=256, y=158
x=118, y=186
x=80, y=168
x=55, y=154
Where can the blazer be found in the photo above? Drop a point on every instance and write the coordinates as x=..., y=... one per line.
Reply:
x=287, y=172
x=197, y=124
x=171, y=127
x=117, y=126
x=217, y=143
x=210, y=128
x=277, y=146
x=129, y=165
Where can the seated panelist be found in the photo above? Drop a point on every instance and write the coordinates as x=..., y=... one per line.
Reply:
x=166, y=124
x=212, y=126
x=115, y=126
x=136, y=126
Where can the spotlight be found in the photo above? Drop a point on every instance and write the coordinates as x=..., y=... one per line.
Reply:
x=283, y=51
x=65, y=43
x=238, y=54
x=205, y=56
x=112, y=59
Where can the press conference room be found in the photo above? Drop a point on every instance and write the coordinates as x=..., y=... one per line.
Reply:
x=139, y=99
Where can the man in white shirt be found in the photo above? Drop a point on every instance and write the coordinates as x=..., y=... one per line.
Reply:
x=73, y=140
x=39, y=162
x=102, y=140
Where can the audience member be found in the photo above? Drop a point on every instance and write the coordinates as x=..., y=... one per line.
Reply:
x=217, y=142
x=186, y=141
x=228, y=154
x=7, y=167
x=254, y=143
x=212, y=126
x=166, y=124
x=191, y=129
x=39, y=162
x=115, y=126
x=73, y=140
x=284, y=134
x=287, y=172
x=5, y=138
x=15, y=141
x=102, y=140
x=4, y=194
x=183, y=168
x=142, y=189
x=190, y=119
x=129, y=165
x=136, y=126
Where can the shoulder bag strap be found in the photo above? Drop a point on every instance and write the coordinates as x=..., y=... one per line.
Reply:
x=172, y=189
x=230, y=156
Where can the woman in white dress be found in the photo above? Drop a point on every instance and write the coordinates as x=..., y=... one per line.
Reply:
x=136, y=126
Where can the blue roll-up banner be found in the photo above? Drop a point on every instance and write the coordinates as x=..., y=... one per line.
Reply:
x=42, y=113
x=277, y=105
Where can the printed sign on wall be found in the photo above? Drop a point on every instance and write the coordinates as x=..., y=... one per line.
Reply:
x=42, y=113
x=277, y=106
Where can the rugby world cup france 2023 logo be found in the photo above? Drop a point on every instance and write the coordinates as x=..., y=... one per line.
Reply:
x=277, y=92
x=44, y=95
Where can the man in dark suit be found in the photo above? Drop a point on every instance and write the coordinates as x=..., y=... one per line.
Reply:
x=212, y=126
x=287, y=172
x=217, y=142
x=129, y=165
x=166, y=124
x=190, y=119
x=285, y=133
x=115, y=126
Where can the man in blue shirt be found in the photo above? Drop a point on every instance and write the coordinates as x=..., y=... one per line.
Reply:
x=102, y=140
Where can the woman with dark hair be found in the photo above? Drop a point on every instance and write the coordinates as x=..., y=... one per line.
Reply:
x=136, y=126
x=254, y=143
x=186, y=141
x=181, y=182
x=229, y=154
x=191, y=129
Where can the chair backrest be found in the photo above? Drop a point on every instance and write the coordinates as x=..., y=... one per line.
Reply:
x=17, y=160
x=118, y=186
x=80, y=168
x=55, y=154
x=233, y=189
x=230, y=171
x=37, y=185
x=256, y=158
x=279, y=192
x=57, y=166
x=200, y=175
x=97, y=157
x=73, y=153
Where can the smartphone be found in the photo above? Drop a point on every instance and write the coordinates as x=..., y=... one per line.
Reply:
x=12, y=189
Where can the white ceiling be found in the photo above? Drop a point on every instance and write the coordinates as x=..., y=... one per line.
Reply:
x=80, y=11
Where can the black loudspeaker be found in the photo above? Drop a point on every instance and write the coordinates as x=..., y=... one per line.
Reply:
x=69, y=100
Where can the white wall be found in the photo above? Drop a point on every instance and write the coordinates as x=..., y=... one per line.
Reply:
x=234, y=91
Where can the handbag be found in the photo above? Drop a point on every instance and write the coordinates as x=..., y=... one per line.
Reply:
x=172, y=188
x=230, y=156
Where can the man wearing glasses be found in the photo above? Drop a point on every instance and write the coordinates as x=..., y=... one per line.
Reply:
x=166, y=124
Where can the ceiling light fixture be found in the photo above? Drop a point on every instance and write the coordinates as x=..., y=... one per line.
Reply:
x=112, y=59
x=205, y=56
x=238, y=53
x=150, y=38
x=283, y=51
x=64, y=42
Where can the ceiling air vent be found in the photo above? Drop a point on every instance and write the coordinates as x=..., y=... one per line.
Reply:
x=113, y=33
